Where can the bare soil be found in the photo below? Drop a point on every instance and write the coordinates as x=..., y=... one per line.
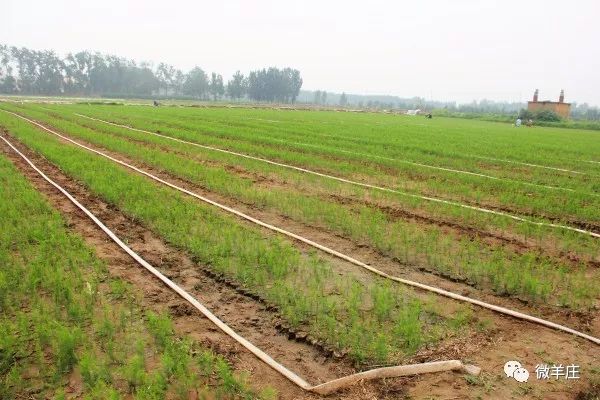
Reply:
x=491, y=237
x=392, y=171
x=237, y=308
x=507, y=339
x=586, y=321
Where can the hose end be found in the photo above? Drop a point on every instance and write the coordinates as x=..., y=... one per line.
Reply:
x=471, y=369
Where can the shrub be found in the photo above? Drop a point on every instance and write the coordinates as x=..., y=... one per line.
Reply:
x=541, y=115
x=547, y=115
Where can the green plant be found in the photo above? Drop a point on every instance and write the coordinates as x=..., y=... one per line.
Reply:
x=65, y=346
x=57, y=320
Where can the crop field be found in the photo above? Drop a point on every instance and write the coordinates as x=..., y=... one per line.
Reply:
x=311, y=234
x=62, y=311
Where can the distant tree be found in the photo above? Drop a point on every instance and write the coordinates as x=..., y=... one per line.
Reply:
x=323, y=97
x=8, y=83
x=526, y=114
x=166, y=76
x=343, y=100
x=317, y=98
x=592, y=114
x=48, y=72
x=541, y=115
x=254, y=88
x=274, y=84
x=178, y=81
x=4, y=61
x=196, y=83
x=79, y=66
x=28, y=71
x=144, y=81
x=295, y=84
x=236, y=86
x=215, y=86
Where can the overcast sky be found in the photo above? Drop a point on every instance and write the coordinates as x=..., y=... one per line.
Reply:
x=441, y=49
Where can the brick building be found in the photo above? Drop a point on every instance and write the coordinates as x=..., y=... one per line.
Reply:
x=559, y=107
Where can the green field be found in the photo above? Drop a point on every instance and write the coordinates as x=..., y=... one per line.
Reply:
x=415, y=194
x=64, y=316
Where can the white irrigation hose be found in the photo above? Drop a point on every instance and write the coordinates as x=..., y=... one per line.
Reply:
x=457, y=171
x=469, y=155
x=324, y=388
x=455, y=296
x=484, y=157
x=423, y=165
x=367, y=185
x=529, y=164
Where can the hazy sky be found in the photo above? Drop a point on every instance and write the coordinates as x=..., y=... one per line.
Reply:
x=448, y=50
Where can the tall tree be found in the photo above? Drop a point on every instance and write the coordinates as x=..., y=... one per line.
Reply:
x=295, y=84
x=196, y=83
x=166, y=76
x=317, y=97
x=255, y=86
x=343, y=100
x=216, y=87
x=178, y=81
x=50, y=71
x=79, y=66
x=28, y=71
x=236, y=86
x=8, y=83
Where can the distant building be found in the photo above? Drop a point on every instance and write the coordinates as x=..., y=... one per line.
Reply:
x=559, y=107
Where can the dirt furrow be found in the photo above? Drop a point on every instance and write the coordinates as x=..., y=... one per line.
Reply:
x=391, y=171
x=585, y=321
x=489, y=351
x=490, y=237
x=250, y=317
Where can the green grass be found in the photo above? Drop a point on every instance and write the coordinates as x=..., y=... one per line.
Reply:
x=60, y=318
x=581, y=206
x=305, y=287
x=532, y=274
x=444, y=142
x=375, y=321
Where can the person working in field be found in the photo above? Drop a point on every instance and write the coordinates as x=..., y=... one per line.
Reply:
x=518, y=122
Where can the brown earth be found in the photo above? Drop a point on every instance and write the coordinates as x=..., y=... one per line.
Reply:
x=491, y=352
x=393, y=172
x=237, y=308
x=586, y=321
x=491, y=237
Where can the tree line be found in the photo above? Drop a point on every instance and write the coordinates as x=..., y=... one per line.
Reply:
x=579, y=111
x=32, y=72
